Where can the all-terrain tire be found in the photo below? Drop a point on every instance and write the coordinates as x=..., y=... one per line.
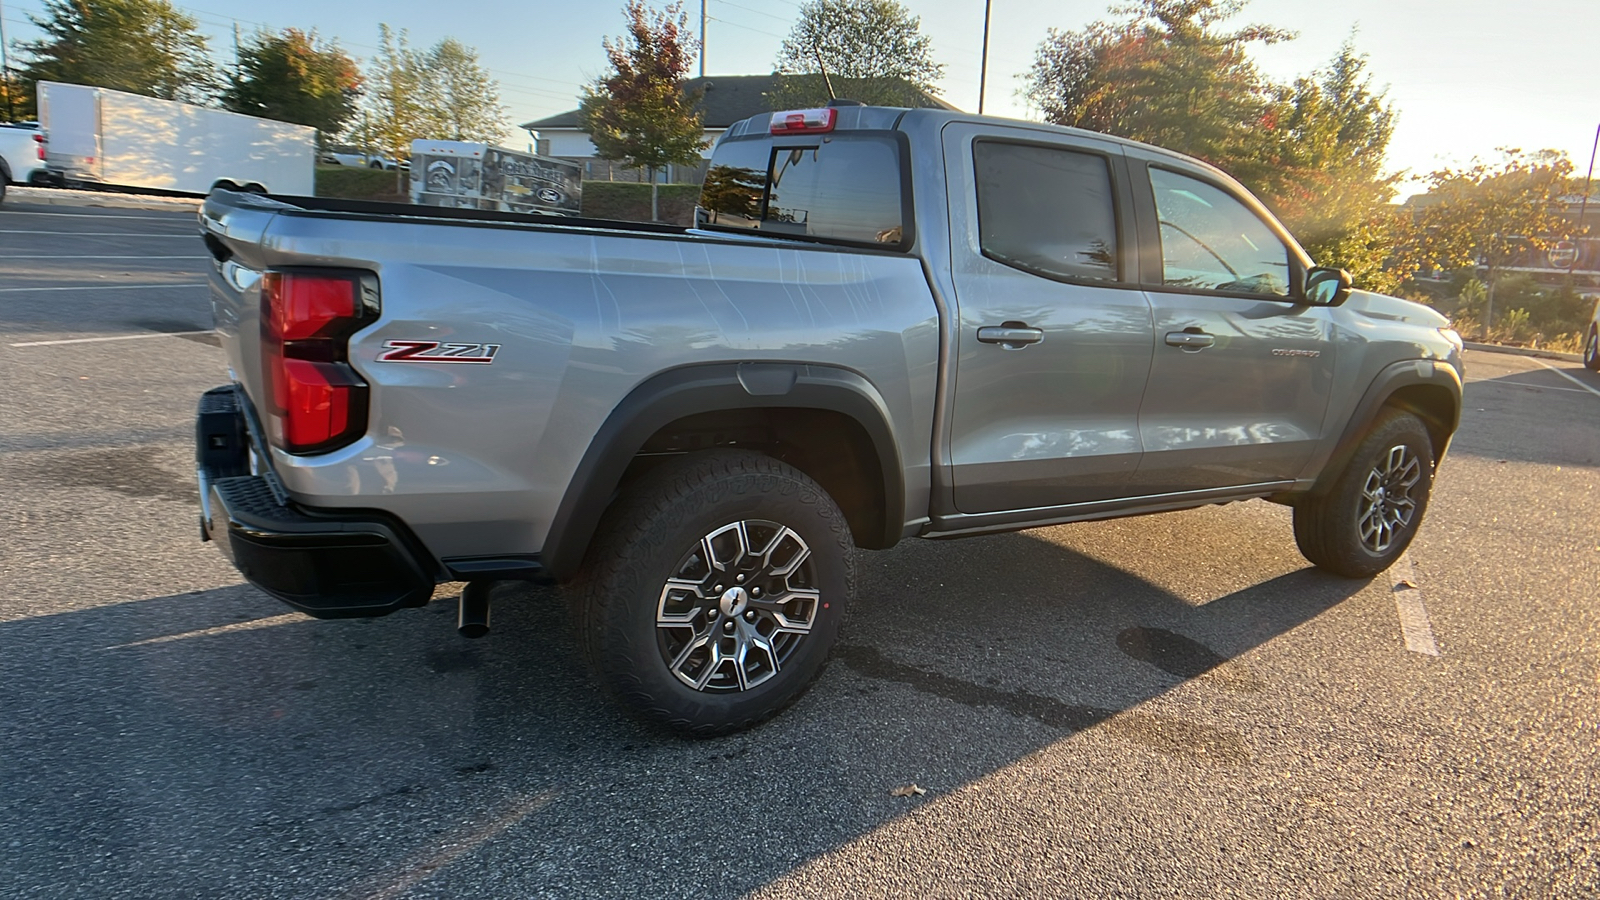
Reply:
x=658, y=606
x=1360, y=522
x=1591, y=350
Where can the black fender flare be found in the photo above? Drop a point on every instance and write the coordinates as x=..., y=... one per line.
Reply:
x=1389, y=380
x=714, y=387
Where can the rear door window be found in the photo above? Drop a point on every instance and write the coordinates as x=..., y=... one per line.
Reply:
x=1047, y=210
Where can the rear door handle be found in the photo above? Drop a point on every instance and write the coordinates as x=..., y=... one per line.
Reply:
x=1009, y=336
x=1190, y=340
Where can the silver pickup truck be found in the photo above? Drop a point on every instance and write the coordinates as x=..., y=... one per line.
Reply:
x=886, y=324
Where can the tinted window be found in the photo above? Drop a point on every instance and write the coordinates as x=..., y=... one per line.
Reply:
x=844, y=189
x=1211, y=241
x=736, y=184
x=1046, y=211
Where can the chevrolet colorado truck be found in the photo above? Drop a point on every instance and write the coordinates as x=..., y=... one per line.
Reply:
x=885, y=324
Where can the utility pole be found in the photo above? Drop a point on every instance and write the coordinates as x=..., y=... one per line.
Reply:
x=5, y=65
x=983, y=69
x=702, y=38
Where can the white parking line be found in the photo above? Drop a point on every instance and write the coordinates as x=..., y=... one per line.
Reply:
x=1566, y=376
x=104, y=287
x=118, y=337
x=1537, y=387
x=1414, y=624
x=191, y=236
x=180, y=215
x=268, y=622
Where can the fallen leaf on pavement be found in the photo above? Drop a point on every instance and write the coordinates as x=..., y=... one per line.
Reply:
x=910, y=790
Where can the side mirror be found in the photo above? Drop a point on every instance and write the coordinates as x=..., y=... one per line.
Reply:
x=1327, y=287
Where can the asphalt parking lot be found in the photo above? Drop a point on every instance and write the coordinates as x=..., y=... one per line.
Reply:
x=1171, y=706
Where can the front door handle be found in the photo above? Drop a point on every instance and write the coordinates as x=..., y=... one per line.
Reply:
x=1012, y=335
x=1190, y=340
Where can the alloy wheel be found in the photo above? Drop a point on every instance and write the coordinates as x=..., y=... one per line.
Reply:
x=737, y=606
x=1387, y=507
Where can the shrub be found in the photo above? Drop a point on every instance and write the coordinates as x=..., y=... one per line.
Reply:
x=629, y=201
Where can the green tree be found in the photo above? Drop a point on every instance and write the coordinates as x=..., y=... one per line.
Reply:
x=396, y=110
x=463, y=98
x=294, y=77
x=1167, y=75
x=639, y=114
x=872, y=50
x=141, y=46
x=1319, y=163
x=1484, y=214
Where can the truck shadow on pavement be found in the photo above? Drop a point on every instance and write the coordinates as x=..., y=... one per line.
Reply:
x=215, y=744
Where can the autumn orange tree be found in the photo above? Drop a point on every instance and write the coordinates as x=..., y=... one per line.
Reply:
x=639, y=114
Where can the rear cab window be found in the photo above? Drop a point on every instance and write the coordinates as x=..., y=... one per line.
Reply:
x=840, y=187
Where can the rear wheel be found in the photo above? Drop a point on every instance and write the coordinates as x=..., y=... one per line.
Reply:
x=714, y=591
x=1591, y=349
x=1358, y=525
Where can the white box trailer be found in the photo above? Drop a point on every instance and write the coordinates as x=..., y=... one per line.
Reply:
x=100, y=136
x=470, y=175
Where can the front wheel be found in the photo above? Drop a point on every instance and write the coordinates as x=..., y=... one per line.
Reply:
x=1358, y=525
x=714, y=591
x=1591, y=350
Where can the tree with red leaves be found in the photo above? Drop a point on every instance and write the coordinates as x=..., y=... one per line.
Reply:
x=639, y=114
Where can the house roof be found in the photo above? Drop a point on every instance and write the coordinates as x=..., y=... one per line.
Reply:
x=727, y=99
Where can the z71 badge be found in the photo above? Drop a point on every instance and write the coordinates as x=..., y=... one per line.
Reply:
x=437, y=352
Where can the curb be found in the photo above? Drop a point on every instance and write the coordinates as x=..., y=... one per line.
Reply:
x=1524, y=351
x=103, y=199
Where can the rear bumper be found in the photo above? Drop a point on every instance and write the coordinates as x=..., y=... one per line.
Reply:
x=326, y=563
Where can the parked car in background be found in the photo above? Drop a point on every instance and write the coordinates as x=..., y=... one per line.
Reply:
x=22, y=155
x=351, y=156
x=104, y=137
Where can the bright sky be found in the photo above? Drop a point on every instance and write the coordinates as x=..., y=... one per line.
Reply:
x=1468, y=76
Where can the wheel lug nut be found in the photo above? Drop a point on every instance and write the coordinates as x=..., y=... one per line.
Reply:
x=750, y=616
x=717, y=589
x=755, y=592
x=728, y=625
x=740, y=579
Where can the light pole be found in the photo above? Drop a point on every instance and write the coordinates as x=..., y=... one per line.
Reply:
x=5, y=64
x=983, y=68
x=702, y=38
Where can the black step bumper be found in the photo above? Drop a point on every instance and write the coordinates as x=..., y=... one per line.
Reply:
x=327, y=563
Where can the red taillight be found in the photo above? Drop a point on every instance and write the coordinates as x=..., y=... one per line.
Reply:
x=38, y=141
x=317, y=401
x=804, y=121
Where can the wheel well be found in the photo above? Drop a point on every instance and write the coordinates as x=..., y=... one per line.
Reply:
x=829, y=446
x=1434, y=406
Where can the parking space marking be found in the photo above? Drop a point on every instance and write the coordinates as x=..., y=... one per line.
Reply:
x=176, y=217
x=115, y=337
x=191, y=236
x=1537, y=387
x=252, y=625
x=104, y=287
x=1575, y=381
x=1414, y=624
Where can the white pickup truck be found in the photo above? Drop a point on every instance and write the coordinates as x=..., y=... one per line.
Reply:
x=22, y=151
